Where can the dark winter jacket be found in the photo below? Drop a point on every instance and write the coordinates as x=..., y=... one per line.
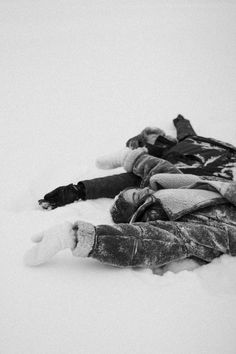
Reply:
x=156, y=243
x=202, y=235
x=194, y=218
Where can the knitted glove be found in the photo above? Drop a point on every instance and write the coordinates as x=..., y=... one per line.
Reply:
x=112, y=160
x=79, y=237
x=122, y=158
x=49, y=243
x=62, y=196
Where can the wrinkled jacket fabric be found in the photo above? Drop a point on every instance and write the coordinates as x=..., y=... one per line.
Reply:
x=202, y=227
x=157, y=243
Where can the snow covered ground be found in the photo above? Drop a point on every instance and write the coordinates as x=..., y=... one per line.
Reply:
x=78, y=78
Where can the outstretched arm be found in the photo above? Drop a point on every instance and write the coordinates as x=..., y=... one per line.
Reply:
x=140, y=166
x=151, y=244
x=123, y=245
x=102, y=187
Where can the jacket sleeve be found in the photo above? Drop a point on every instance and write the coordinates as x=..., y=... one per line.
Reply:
x=109, y=186
x=183, y=128
x=144, y=165
x=157, y=243
x=136, y=245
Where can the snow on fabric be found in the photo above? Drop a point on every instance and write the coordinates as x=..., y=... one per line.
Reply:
x=77, y=80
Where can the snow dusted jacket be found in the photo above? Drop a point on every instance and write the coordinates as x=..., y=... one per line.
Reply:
x=199, y=220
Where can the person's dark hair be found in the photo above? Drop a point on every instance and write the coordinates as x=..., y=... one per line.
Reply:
x=122, y=211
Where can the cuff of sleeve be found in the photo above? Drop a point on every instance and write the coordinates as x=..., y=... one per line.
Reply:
x=85, y=236
x=132, y=156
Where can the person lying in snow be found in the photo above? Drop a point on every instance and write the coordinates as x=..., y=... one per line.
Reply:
x=190, y=154
x=176, y=216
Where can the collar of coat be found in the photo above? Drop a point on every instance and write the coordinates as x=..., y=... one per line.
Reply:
x=184, y=194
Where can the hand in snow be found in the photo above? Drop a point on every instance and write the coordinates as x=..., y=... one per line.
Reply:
x=49, y=243
x=62, y=196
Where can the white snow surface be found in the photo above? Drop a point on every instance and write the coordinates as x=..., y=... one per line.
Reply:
x=78, y=78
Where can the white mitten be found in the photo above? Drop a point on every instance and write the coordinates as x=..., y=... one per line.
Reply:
x=49, y=243
x=112, y=160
